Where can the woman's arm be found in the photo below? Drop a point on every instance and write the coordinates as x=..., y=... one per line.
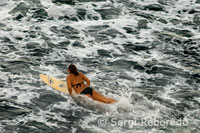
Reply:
x=85, y=79
x=69, y=85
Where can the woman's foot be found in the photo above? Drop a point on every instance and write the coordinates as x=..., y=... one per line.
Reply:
x=111, y=100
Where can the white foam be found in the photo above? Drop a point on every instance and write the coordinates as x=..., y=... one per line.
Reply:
x=169, y=90
x=198, y=99
x=42, y=117
x=124, y=104
x=2, y=128
x=144, y=108
x=5, y=7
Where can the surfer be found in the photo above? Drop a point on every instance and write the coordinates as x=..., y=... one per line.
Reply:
x=76, y=80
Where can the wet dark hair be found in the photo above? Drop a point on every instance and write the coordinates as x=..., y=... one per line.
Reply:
x=72, y=68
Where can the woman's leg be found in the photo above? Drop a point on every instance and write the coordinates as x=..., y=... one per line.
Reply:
x=97, y=96
x=89, y=96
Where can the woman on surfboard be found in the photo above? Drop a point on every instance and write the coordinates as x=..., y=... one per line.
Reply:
x=76, y=80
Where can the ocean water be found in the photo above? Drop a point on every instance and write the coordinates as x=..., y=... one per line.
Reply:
x=144, y=53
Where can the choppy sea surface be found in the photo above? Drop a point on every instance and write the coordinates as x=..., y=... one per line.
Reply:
x=144, y=53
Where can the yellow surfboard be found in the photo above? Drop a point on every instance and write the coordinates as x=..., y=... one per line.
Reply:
x=57, y=84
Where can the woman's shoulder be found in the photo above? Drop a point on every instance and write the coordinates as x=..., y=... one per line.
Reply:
x=81, y=74
x=69, y=76
x=72, y=75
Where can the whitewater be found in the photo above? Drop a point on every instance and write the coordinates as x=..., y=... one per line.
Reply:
x=143, y=53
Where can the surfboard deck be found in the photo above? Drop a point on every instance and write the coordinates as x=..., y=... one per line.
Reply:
x=59, y=85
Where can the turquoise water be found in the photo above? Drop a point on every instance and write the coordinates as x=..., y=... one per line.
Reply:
x=143, y=53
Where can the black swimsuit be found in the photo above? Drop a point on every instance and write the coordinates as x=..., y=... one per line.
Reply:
x=77, y=85
x=87, y=90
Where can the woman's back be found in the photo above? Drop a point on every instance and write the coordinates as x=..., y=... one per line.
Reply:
x=77, y=82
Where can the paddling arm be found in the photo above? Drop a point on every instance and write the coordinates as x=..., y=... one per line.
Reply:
x=85, y=79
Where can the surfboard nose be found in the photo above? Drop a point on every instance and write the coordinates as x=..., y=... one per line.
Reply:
x=41, y=75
